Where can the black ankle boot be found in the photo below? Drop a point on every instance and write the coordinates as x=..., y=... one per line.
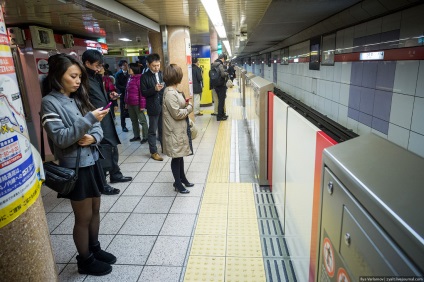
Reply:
x=101, y=255
x=92, y=266
x=180, y=188
x=186, y=183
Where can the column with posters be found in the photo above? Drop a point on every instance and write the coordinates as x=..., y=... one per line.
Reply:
x=203, y=53
x=20, y=180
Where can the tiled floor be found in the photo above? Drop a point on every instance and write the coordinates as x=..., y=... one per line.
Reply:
x=160, y=235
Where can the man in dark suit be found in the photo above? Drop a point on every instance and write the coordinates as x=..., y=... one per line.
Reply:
x=152, y=87
x=121, y=79
x=93, y=60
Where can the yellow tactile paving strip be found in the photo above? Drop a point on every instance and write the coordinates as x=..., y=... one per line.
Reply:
x=226, y=244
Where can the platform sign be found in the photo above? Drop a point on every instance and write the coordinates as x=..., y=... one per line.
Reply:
x=203, y=54
x=20, y=180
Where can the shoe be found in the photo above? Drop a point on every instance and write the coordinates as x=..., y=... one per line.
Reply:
x=101, y=255
x=213, y=114
x=124, y=129
x=221, y=118
x=186, y=183
x=156, y=157
x=109, y=190
x=144, y=140
x=199, y=114
x=122, y=179
x=92, y=266
x=135, y=139
x=180, y=189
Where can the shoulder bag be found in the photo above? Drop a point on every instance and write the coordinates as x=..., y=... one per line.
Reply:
x=59, y=179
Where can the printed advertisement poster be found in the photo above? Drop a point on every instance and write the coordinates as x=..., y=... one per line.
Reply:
x=19, y=177
x=203, y=53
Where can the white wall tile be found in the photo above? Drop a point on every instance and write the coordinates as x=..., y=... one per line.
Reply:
x=401, y=111
x=391, y=22
x=406, y=77
x=344, y=94
x=416, y=144
x=417, y=124
x=346, y=70
x=363, y=129
x=398, y=135
x=342, y=119
x=339, y=40
x=420, y=81
x=336, y=92
x=337, y=72
x=376, y=132
x=374, y=26
x=328, y=107
x=348, y=40
x=334, y=115
x=330, y=73
x=360, y=30
x=352, y=124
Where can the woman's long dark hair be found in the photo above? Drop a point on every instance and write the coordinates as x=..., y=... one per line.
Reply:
x=58, y=65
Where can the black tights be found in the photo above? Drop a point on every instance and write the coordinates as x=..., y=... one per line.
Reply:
x=87, y=223
x=177, y=167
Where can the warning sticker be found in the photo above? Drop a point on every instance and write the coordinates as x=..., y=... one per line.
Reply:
x=329, y=260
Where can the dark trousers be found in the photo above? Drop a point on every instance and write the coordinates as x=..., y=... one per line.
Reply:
x=222, y=94
x=115, y=171
x=153, y=127
x=177, y=168
x=123, y=111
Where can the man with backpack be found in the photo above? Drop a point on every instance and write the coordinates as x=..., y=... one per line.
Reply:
x=218, y=78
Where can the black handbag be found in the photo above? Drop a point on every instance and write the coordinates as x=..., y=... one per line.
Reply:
x=106, y=156
x=58, y=178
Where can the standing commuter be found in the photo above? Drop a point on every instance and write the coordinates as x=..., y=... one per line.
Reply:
x=221, y=89
x=197, y=86
x=92, y=60
x=136, y=103
x=175, y=126
x=72, y=123
x=152, y=87
x=121, y=79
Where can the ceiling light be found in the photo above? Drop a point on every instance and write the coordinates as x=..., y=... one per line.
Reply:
x=125, y=39
x=227, y=47
x=212, y=9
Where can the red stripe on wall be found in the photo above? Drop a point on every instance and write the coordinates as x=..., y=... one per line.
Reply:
x=323, y=141
x=401, y=54
x=270, y=135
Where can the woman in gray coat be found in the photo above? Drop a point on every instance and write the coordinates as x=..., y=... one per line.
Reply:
x=71, y=121
x=175, y=110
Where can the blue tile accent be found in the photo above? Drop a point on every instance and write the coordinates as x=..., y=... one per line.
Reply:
x=366, y=103
x=382, y=104
x=354, y=97
x=380, y=125
x=358, y=44
x=365, y=119
x=386, y=75
x=353, y=114
x=356, y=74
x=369, y=74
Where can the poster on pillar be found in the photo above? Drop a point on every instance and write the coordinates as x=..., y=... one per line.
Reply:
x=203, y=54
x=20, y=176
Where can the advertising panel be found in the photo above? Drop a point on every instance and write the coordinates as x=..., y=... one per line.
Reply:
x=203, y=53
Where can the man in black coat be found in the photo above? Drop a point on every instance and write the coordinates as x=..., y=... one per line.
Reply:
x=152, y=87
x=197, y=85
x=93, y=60
x=121, y=79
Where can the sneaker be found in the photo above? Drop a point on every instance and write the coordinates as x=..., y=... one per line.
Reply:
x=135, y=139
x=144, y=140
x=156, y=157
x=214, y=114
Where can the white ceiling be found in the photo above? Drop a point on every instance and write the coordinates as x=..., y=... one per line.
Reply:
x=253, y=25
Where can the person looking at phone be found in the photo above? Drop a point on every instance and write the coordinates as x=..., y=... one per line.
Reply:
x=136, y=103
x=93, y=60
x=72, y=122
x=176, y=109
x=152, y=86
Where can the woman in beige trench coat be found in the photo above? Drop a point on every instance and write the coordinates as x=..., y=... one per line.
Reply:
x=175, y=111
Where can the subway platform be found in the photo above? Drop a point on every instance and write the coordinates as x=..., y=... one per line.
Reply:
x=225, y=229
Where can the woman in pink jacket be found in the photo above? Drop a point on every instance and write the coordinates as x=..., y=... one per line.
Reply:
x=136, y=103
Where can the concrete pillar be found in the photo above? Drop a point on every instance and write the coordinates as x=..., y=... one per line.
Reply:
x=25, y=249
x=214, y=44
x=155, y=43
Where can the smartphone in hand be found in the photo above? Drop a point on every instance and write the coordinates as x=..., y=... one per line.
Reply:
x=107, y=106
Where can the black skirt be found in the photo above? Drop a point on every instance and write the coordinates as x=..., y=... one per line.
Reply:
x=88, y=185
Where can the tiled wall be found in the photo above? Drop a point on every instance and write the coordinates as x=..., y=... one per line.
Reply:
x=384, y=97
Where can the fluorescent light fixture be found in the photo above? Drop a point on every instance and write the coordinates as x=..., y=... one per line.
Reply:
x=227, y=47
x=124, y=39
x=212, y=9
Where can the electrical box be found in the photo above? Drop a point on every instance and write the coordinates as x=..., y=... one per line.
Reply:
x=371, y=211
x=68, y=40
x=16, y=36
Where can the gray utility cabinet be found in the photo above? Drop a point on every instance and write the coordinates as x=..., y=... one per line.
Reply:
x=372, y=211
